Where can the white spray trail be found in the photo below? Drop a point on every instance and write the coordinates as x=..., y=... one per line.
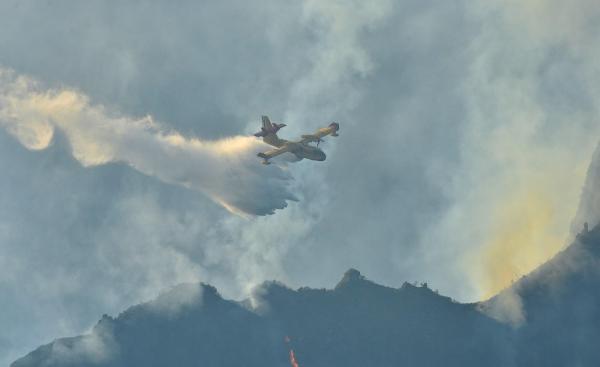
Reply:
x=226, y=170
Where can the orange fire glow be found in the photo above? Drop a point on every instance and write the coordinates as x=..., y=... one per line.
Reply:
x=293, y=361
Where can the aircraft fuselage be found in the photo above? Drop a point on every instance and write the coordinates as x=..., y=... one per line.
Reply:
x=306, y=151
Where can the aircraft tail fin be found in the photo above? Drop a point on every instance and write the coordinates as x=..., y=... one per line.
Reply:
x=266, y=123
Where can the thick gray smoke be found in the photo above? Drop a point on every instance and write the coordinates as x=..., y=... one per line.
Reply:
x=226, y=170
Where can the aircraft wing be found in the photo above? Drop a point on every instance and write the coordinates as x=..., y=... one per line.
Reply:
x=309, y=138
x=316, y=137
x=273, y=153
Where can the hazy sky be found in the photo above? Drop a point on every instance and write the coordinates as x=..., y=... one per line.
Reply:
x=466, y=131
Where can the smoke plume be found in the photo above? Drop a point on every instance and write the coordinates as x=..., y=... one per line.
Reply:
x=226, y=170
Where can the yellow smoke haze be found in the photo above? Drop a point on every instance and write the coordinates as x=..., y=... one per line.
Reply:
x=527, y=228
x=520, y=241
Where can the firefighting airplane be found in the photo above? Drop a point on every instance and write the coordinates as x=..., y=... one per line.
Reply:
x=300, y=148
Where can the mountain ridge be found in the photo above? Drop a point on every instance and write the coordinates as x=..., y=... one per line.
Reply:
x=316, y=321
x=358, y=322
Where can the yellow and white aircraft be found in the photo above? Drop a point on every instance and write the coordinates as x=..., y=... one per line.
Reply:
x=301, y=148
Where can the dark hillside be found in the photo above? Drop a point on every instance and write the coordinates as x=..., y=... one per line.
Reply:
x=358, y=323
x=560, y=303
x=554, y=320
